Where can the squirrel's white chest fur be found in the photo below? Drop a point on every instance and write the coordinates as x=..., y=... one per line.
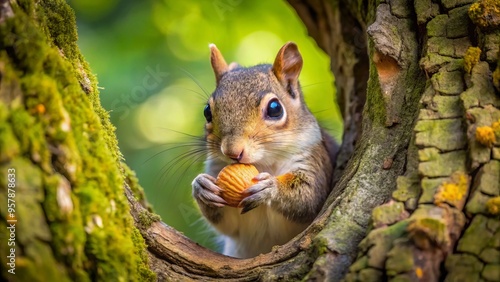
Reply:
x=256, y=232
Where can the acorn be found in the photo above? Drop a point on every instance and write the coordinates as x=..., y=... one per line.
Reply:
x=233, y=180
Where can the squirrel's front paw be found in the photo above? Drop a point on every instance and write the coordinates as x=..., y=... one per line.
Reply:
x=205, y=191
x=259, y=193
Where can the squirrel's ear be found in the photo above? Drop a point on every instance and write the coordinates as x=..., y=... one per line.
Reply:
x=287, y=66
x=219, y=65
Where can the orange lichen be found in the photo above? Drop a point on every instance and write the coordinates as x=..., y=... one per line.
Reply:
x=40, y=108
x=485, y=135
x=485, y=14
x=471, y=58
x=419, y=272
x=493, y=205
x=454, y=191
x=448, y=192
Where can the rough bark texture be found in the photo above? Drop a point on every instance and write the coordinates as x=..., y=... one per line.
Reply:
x=442, y=221
x=417, y=196
x=70, y=219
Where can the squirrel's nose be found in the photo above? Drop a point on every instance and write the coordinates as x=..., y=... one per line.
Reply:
x=235, y=154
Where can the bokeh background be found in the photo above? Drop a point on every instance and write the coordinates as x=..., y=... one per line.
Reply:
x=152, y=62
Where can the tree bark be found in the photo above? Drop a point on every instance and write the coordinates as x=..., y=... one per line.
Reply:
x=417, y=192
x=60, y=168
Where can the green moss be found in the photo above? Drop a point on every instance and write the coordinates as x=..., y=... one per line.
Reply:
x=437, y=26
x=452, y=47
x=50, y=267
x=426, y=232
x=464, y=262
x=491, y=272
x=480, y=93
x=428, y=154
x=337, y=239
x=448, y=82
x=9, y=147
x=389, y=213
x=375, y=103
x=462, y=275
x=370, y=275
x=379, y=241
x=31, y=227
x=458, y=23
x=493, y=226
x=133, y=183
x=320, y=245
x=443, y=134
x=408, y=188
x=432, y=62
x=471, y=58
x=145, y=274
x=59, y=21
x=443, y=164
x=30, y=136
x=67, y=228
x=399, y=260
x=359, y=264
x=351, y=277
x=450, y=4
x=425, y=10
x=146, y=218
x=61, y=137
x=429, y=189
x=490, y=255
x=43, y=90
x=30, y=48
x=476, y=237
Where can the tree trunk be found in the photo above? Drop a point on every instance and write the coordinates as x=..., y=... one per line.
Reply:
x=417, y=195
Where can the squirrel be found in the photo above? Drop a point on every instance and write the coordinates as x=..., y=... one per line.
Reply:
x=258, y=116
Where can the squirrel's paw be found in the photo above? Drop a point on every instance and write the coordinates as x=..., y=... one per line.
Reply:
x=259, y=193
x=205, y=191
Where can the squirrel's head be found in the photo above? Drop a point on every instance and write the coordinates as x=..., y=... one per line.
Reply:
x=258, y=114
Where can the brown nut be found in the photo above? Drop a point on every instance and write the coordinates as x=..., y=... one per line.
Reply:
x=233, y=180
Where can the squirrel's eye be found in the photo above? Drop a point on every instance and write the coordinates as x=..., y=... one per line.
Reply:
x=207, y=113
x=274, y=109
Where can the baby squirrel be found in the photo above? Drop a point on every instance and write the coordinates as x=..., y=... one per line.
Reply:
x=258, y=116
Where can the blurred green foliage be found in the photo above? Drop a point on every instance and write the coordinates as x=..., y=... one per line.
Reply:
x=152, y=62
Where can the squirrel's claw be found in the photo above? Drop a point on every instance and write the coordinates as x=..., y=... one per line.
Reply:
x=247, y=207
x=260, y=193
x=205, y=191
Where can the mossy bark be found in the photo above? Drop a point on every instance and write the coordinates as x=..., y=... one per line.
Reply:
x=71, y=219
x=417, y=190
x=450, y=233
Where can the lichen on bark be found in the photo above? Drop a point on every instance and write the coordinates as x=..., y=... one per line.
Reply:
x=458, y=173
